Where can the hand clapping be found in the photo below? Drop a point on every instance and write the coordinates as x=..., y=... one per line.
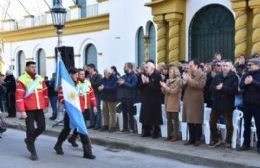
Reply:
x=100, y=88
x=186, y=77
x=248, y=80
x=163, y=84
x=219, y=86
x=145, y=79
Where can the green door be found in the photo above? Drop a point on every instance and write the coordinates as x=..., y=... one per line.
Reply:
x=212, y=29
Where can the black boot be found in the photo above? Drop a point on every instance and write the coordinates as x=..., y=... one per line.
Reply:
x=72, y=141
x=28, y=145
x=88, y=151
x=58, y=149
x=34, y=155
x=156, y=132
x=145, y=132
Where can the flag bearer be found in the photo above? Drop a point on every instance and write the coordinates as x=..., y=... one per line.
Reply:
x=87, y=100
x=66, y=130
x=31, y=99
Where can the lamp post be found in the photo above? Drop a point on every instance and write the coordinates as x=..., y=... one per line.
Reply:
x=58, y=14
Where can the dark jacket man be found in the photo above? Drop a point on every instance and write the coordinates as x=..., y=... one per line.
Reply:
x=224, y=99
x=109, y=92
x=250, y=85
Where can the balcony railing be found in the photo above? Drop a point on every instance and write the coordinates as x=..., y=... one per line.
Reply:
x=92, y=10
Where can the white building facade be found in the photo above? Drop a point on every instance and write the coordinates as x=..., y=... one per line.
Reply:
x=112, y=32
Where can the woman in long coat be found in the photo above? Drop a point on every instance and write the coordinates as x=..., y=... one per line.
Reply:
x=172, y=90
x=193, y=102
x=151, y=115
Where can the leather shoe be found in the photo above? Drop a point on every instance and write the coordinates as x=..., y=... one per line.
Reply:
x=243, y=148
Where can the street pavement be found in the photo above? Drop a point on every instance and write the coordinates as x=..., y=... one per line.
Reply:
x=13, y=154
x=203, y=155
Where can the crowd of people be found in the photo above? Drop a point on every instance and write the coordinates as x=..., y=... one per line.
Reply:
x=220, y=84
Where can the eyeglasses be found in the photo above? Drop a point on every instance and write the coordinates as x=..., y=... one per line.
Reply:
x=218, y=65
x=249, y=65
x=224, y=65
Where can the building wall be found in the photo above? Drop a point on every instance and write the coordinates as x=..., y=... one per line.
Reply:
x=115, y=46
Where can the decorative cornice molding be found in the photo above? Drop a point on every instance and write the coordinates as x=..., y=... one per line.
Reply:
x=90, y=24
x=100, y=1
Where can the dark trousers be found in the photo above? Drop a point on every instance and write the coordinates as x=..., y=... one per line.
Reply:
x=38, y=117
x=86, y=117
x=148, y=129
x=173, y=124
x=96, y=119
x=128, y=114
x=54, y=105
x=195, y=132
x=11, y=104
x=249, y=112
x=66, y=131
x=214, y=116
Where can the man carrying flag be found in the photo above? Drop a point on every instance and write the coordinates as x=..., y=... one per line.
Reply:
x=73, y=118
x=31, y=99
x=87, y=100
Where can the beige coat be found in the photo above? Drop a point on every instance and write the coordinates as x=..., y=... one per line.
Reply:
x=172, y=96
x=193, y=100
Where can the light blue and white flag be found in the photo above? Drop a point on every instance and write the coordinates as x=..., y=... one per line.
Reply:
x=71, y=98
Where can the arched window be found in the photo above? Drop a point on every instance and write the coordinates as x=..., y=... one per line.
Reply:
x=20, y=62
x=140, y=46
x=212, y=29
x=91, y=55
x=152, y=41
x=41, y=62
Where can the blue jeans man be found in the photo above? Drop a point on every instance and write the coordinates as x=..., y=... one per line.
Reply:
x=54, y=106
x=96, y=119
x=251, y=111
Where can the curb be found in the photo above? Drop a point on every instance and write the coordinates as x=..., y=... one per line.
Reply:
x=189, y=159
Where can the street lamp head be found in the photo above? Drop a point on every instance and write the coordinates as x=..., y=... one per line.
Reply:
x=58, y=13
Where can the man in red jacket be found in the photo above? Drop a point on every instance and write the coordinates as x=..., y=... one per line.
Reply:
x=66, y=130
x=31, y=99
x=87, y=100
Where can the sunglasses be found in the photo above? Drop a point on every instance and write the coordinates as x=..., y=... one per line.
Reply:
x=218, y=65
x=249, y=65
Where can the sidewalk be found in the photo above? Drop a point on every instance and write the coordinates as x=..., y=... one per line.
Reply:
x=202, y=155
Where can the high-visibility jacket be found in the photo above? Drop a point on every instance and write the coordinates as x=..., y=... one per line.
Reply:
x=38, y=99
x=86, y=95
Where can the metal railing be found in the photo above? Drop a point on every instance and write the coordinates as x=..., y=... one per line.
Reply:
x=92, y=10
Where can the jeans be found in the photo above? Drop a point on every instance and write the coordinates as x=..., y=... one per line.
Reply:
x=128, y=114
x=96, y=119
x=173, y=124
x=54, y=105
x=38, y=117
x=251, y=111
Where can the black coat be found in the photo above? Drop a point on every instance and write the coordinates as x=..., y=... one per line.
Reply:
x=224, y=99
x=208, y=90
x=10, y=84
x=251, y=92
x=151, y=113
